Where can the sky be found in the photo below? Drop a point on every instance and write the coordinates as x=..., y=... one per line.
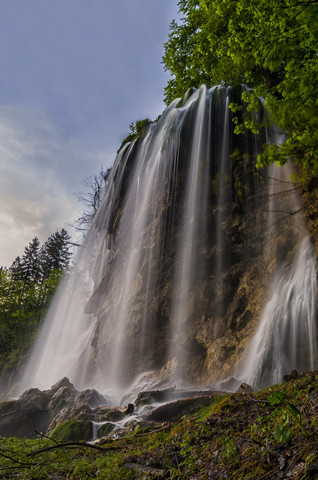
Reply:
x=74, y=74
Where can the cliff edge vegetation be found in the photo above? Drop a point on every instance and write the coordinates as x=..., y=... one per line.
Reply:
x=269, y=46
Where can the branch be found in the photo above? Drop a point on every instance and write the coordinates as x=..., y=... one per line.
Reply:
x=252, y=398
x=282, y=181
x=25, y=464
x=22, y=411
x=286, y=212
x=282, y=192
x=72, y=444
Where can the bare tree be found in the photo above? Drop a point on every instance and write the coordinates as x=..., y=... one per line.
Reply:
x=91, y=199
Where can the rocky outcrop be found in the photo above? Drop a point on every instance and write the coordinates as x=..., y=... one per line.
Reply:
x=43, y=411
x=173, y=411
x=65, y=414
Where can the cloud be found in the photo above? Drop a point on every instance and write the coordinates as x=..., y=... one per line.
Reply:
x=40, y=168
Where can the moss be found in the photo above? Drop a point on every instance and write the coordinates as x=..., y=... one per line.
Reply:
x=73, y=430
x=105, y=429
x=231, y=438
x=114, y=415
x=5, y=406
x=136, y=129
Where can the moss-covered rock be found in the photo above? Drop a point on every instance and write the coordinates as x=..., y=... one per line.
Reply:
x=73, y=430
x=105, y=429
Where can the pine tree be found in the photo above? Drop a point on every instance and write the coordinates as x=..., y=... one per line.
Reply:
x=16, y=269
x=55, y=254
x=28, y=268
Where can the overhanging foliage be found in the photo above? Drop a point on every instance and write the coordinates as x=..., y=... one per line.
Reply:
x=270, y=46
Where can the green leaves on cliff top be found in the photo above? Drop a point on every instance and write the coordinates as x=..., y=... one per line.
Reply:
x=268, y=45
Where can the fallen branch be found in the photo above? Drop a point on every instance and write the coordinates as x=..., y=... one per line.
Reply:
x=72, y=444
x=252, y=398
x=15, y=460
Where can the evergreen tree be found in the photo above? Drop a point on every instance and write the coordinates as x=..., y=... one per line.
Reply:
x=16, y=269
x=55, y=254
x=28, y=268
x=26, y=290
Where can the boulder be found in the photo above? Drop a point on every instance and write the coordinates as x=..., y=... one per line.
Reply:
x=81, y=412
x=33, y=399
x=105, y=429
x=129, y=410
x=73, y=431
x=25, y=417
x=244, y=388
x=64, y=396
x=43, y=411
x=64, y=382
x=173, y=411
x=153, y=396
x=91, y=398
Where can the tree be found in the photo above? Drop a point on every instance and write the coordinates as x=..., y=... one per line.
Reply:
x=91, y=199
x=269, y=46
x=26, y=290
x=28, y=268
x=55, y=253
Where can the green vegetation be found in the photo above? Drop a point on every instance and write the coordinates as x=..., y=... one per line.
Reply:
x=26, y=290
x=271, y=46
x=136, y=129
x=235, y=437
x=73, y=430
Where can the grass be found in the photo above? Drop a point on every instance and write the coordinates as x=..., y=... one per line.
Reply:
x=232, y=438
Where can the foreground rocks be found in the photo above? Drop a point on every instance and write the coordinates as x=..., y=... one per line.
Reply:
x=38, y=411
x=67, y=414
x=237, y=436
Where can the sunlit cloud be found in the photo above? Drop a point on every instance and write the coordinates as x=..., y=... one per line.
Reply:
x=37, y=169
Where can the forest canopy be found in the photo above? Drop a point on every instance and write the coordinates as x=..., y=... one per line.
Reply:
x=269, y=45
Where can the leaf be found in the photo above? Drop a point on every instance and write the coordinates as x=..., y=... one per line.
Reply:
x=282, y=433
x=293, y=410
x=276, y=398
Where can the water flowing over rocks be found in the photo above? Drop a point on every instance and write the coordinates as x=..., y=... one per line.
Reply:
x=65, y=414
x=194, y=263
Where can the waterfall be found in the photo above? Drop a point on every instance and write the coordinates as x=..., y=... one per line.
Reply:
x=162, y=288
x=286, y=337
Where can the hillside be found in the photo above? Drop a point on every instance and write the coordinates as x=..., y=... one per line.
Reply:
x=270, y=434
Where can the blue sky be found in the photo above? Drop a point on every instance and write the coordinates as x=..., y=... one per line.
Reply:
x=74, y=74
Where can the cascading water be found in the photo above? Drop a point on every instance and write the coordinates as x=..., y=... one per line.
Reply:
x=162, y=288
x=287, y=335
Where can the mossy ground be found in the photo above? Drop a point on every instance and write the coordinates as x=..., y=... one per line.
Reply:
x=236, y=437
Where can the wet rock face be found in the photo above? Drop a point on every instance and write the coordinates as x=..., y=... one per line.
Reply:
x=221, y=312
x=21, y=419
x=260, y=234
